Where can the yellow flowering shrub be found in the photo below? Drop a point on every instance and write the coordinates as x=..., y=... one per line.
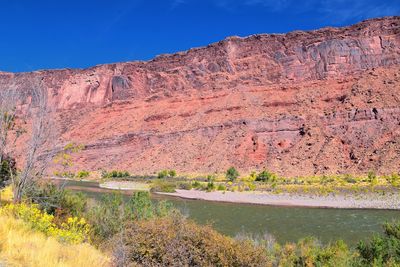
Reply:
x=75, y=230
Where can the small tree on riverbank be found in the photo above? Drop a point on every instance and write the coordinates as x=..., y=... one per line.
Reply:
x=232, y=174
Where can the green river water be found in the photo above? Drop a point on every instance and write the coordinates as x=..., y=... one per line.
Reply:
x=285, y=224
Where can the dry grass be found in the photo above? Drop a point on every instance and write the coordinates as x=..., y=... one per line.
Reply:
x=20, y=246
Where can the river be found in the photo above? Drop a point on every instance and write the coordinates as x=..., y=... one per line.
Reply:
x=285, y=224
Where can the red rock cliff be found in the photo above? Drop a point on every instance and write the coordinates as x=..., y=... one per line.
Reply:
x=325, y=101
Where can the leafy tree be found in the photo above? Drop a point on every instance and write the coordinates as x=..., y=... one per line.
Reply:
x=232, y=174
x=65, y=160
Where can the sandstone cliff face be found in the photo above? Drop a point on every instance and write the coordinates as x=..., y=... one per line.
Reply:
x=325, y=101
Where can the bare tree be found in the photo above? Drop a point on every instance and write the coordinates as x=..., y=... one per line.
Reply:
x=36, y=159
x=8, y=100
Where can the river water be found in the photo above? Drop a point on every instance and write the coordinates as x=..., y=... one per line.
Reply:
x=285, y=224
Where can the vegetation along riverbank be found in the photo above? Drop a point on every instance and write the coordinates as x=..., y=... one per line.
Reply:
x=335, y=191
x=141, y=233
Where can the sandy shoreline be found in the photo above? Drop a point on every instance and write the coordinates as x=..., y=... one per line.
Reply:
x=125, y=185
x=370, y=201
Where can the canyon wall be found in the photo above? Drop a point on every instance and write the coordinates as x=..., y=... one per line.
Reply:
x=301, y=103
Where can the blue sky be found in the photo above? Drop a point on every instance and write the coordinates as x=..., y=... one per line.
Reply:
x=81, y=33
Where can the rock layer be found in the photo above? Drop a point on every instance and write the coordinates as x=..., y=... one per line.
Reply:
x=302, y=103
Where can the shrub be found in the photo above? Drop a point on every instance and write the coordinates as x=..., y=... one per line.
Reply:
x=185, y=186
x=163, y=186
x=252, y=176
x=53, y=200
x=266, y=176
x=115, y=174
x=221, y=187
x=210, y=183
x=251, y=186
x=162, y=174
x=140, y=207
x=82, y=174
x=383, y=249
x=349, y=179
x=7, y=170
x=372, y=178
x=309, y=252
x=210, y=186
x=172, y=173
x=166, y=173
x=324, y=180
x=176, y=241
x=394, y=179
x=232, y=174
x=196, y=184
x=74, y=230
x=112, y=213
x=107, y=217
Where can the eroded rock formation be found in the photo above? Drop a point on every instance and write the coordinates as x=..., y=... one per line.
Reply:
x=324, y=101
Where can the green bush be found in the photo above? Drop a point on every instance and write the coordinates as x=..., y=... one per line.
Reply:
x=107, y=217
x=199, y=185
x=82, y=174
x=221, y=187
x=166, y=173
x=162, y=185
x=162, y=174
x=210, y=183
x=185, y=185
x=56, y=201
x=112, y=213
x=394, y=179
x=115, y=174
x=349, y=179
x=309, y=252
x=382, y=250
x=7, y=170
x=232, y=174
x=266, y=176
x=372, y=178
x=172, y=173
x=210, y=186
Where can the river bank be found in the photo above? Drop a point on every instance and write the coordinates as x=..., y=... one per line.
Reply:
x=370, y=200
x=367, y=201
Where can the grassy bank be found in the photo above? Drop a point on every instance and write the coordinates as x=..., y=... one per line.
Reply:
x=22, y=246
x=262, y=181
